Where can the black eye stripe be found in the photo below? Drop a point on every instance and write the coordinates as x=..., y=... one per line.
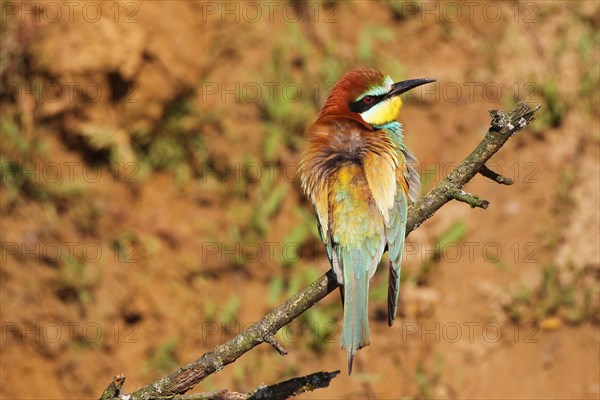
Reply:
x=360, y=106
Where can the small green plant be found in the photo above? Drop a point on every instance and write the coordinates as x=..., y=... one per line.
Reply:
x=554, y=107
x=587, y=48
x=26, y=171
x=163, y=358
x=569, y=299
x=230, y=310
x=266, y=209
x=320, y=321
x=563, y=205
x=565, y=198
x=364, y=47
x=210, y=310
x=275, y=290
x=428, y=381
x=76, y=279
x=296, y=238
x=285, y=109
x=126, y=247
x=176, y=145
x=403, y=10
x=455, y=233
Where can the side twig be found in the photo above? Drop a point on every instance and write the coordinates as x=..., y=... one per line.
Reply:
x=461, y=195
x=276, y=345
x=502, y=127
x=496, y=177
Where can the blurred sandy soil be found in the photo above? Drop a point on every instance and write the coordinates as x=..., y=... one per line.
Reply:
x=150, y=206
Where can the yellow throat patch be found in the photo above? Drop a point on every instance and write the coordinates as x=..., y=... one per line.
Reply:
x=384, y=112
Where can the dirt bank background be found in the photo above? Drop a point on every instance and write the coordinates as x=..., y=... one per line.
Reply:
x=150, y=206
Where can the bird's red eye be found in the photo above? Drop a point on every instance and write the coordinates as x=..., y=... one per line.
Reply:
x=368, y=99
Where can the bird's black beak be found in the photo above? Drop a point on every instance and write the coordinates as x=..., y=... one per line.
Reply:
x=400, y=87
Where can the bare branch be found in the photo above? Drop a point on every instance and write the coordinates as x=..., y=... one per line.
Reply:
x=496, y=177
x=502, y=127
x=283, y=390
x=296, y=386
x=216, y=395
x=276, y=345
x=472, y=200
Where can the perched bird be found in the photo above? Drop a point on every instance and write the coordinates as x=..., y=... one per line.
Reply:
x=359, y=176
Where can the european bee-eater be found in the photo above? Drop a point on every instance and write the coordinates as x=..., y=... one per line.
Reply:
x=360, y=176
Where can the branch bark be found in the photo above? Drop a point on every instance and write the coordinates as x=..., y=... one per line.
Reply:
x=280, y=391
x=502, y=127
x=496, y=177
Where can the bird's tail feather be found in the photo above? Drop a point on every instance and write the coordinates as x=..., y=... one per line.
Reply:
x=355, y=332
x=393, y=289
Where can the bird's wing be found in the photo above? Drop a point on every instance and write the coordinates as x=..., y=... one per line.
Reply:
x=395, y=233
x=408, y=187
x=411, y=175
x=321, y=202
x=380, y=171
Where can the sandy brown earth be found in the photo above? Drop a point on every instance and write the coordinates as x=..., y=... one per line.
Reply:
x=150, y=205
